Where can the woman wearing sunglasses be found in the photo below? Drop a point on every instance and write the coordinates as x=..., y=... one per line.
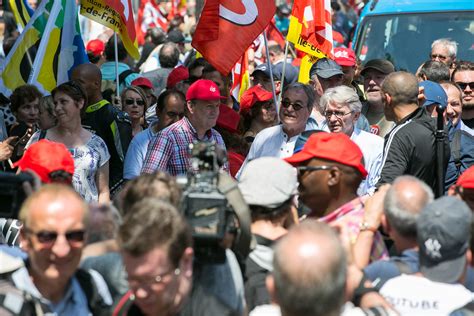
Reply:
x=89, y=151
x=134, y=102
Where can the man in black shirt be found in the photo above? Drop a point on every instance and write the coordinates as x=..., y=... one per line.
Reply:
x=410, y=146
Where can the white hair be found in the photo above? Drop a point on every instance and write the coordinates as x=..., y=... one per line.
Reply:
x=452, y=46
x=341, y=95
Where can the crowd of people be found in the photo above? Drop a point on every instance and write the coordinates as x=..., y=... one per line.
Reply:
x=358, y=185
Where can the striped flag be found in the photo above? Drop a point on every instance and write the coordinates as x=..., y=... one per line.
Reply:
x=116, y=15
x=47, y=50
x=22, y=12
x=240, y=77
x=311, y=27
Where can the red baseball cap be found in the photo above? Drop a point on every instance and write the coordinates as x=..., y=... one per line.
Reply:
x=95, y=46
x=344, y=56
x=228, y=119
x=337, y=147
x=203, y=89
x=252, y=96
x=466, y=179
x=45, y=157
x=176, y=75
x=142, y=82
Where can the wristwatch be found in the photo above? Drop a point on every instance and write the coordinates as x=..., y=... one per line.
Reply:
x=364, y=226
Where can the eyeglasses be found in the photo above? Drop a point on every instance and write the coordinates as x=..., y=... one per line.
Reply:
x=132, y=101
x=338, y=114
x=148, y=283
x=48, y=238
x=463, y=85
x=303, y=169
x=440, y=57
x=296, y=106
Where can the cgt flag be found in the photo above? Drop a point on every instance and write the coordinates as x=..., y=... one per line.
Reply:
x=47, y=49
x=310, y=27
x=118, y=16
x=227, y=28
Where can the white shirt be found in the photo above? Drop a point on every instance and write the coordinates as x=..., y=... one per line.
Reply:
x=371, y=146
x=418, y=296
x=271, y=142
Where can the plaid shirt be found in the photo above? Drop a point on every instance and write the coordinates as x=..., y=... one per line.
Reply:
x=351, y=215
x=169, y=150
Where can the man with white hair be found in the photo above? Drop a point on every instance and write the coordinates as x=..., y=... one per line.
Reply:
x=444, y=50
x=341, y=107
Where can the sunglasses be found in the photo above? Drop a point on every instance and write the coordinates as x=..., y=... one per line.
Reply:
x=296, y=106
x=48, y=238
x=463, y=85
x=132, y=101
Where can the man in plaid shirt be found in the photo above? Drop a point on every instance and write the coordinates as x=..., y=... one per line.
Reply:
x=169, y=150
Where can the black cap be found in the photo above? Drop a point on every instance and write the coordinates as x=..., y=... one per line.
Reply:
x=382, y=65
x=325, y=68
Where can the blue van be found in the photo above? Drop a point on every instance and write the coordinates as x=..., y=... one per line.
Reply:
x=402, y=31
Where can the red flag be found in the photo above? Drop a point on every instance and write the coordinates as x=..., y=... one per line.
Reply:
x=227, y=28
x=274, y=34
x=149, y=16
x=118, y=16
x=311, y=27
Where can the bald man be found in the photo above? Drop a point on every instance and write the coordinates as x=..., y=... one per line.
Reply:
x=410, y=146
x=309, y=271
x=53, y=234
x=105, y=120
x=402, y=205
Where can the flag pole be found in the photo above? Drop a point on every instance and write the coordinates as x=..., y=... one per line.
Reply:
x=283, y=71
x=269, y=64
x=117, y=83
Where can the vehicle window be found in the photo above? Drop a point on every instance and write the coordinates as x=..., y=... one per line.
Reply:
x=406, y=39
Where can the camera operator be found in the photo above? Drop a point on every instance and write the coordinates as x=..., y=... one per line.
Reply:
x=156, y=244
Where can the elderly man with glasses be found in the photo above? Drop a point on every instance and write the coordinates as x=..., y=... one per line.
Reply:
x=53, y=235
x=279, y=141
x=341, y=107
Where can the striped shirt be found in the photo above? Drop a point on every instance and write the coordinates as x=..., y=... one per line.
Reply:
x=169, y=150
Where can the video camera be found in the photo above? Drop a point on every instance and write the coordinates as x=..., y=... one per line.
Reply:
x=206, y=206
x=12, y=193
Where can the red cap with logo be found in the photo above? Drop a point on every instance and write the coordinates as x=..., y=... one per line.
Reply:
x=142, y=82
x=203, y=89
x=337, y=147
x=252, y=96
x=466, y=179
x=176, y=75
x=344, y=56
x=45, y=157
x=95, y=46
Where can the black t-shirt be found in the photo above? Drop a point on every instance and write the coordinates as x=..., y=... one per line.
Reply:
x=469, y=123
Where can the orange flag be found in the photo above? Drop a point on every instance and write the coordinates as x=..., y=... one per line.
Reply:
x=117, y=15
x=227, y=28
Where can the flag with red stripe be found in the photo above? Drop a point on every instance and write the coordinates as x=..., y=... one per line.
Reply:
x=240, y=77
x=311, y=27
x=149, y=16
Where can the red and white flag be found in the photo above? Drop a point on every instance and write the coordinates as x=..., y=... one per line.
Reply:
x=311, y=27
x=227, y=28
x=240, y=77
x=149, y=16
